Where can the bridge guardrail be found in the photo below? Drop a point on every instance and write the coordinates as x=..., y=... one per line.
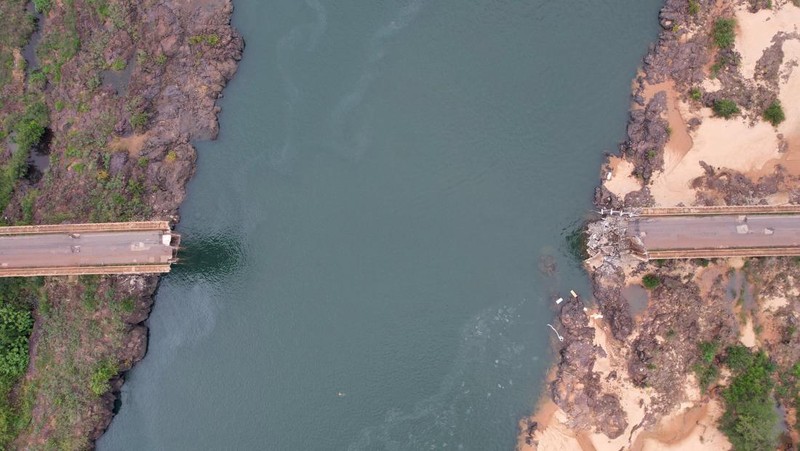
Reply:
x=138, y=226
x=717, y=210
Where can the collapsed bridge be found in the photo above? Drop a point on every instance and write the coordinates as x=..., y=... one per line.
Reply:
x=705, y=232
x=82, y=249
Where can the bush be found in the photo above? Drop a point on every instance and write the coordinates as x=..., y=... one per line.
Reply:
x=726, y=108
x=651, y=281
x=42, y=6
x=139, y=120
x=102, y=373
x=694, y=7
x=118, y=65
x=774, y=113
x=15, y=329
x=695, y=94
x=724, y=33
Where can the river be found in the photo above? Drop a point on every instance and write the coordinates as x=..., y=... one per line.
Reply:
x=363, y=242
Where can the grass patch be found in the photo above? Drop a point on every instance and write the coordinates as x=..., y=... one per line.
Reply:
x=724, y=33
x=104, y=371
x=208, y=39
x=694, y=7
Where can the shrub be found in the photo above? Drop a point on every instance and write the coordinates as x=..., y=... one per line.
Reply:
x=139, y=120
x=128, y=305
x=42, y=6
x=695, y=94
x=724, y=32
x=104, y=371
x=651, y=281
x=774, y=113
x=726, y=108
x=706, y=368
x=694, y=7
x=171, y=156
x=118, y=64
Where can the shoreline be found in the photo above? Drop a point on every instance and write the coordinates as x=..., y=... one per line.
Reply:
x=119, y=91
x=625, y=380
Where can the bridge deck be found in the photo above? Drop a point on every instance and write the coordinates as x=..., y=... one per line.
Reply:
x=86, y=249
x=717, y=236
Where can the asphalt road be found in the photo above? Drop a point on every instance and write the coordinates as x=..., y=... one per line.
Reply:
x=85, y=249
x=716, y=232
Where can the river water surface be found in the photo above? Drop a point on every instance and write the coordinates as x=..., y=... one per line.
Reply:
x=363, y=242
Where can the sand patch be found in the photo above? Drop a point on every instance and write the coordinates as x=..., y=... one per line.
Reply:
x=735, y=144
x=553, y=433
x=755, y=32
x=789, y=90
x=721, y=143
x=679, y=142
x=622, y=182
x=773, y=303
x=18, y=73
x=747, y=335
x=689, y=428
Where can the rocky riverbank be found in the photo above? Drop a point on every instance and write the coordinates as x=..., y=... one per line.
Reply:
x=704, y=129
x=120, y=90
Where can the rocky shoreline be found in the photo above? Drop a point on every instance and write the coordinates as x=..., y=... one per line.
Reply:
x=128, y=87
x=621, y=377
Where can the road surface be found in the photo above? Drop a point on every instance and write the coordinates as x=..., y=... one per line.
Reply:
x=114, y=248
x=717, y=232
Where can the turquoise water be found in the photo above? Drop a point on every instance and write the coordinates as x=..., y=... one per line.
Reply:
x=363, y=241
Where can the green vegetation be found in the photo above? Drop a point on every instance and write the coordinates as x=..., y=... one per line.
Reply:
x=651, y=281
x=104, y=371
x=774, y=113
x=61, y=45
x=139, y=120
x=694, y=7
x=706, y=368
x=726, y=108
x=208, y=39
x=17, y=296
x=28, y=130
x=42, y=6
x=28, y=201
x=749, y=420
x=695, y=94
x=15, y=328
x=16, y=26
x=724, y=32
x=119, y=64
